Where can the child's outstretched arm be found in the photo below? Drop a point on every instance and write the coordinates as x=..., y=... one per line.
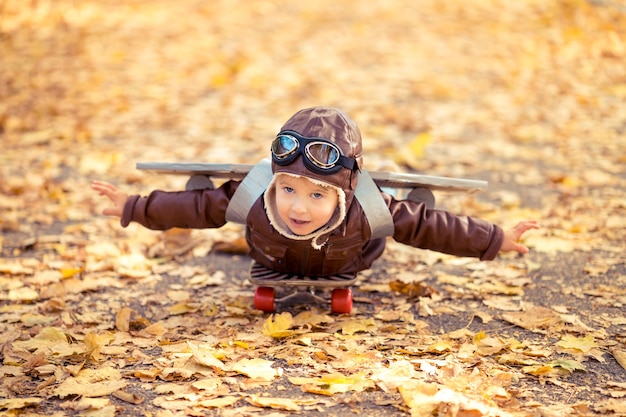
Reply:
x=511, y=237
x=117, y=197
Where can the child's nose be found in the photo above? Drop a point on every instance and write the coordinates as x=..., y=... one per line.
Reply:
x=298, y=206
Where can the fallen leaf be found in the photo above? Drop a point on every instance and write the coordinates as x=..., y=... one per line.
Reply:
x=277, y=326
x=351, y=327
x=92, y=383
x=574, y=344
x=334, y=383
x=395, y=375
x=203, y=354
x=94, y=343
x=221, y=402
x=286, y=404
x=258, y=369
x=620, y=356
x=128, y=397
x=18, y=403
x=535, y=319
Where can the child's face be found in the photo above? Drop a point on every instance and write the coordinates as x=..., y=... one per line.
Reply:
x=303, y=205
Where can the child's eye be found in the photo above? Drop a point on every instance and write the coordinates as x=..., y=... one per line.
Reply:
x=317, y=195
x=288, y=189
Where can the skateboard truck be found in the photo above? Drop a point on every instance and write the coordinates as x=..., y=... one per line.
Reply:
x=340, y=301
x=265, y=298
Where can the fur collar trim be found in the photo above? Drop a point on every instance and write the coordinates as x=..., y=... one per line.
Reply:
x=320, y=236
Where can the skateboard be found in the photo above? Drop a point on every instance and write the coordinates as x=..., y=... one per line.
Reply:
x=267, y=281
x=303, y=289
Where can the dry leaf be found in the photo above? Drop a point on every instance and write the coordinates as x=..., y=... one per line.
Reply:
x=535, y=319
x=620, y=356
x=333, y=383
x=574, y=344
x=258, y=369
x=92, y=383
x=286, y=404
x=277, y=326
x=204, y=355
x=129, y=397
x=18, y=403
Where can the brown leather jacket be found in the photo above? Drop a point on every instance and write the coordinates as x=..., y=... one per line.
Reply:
x=348, y=248
x=345, y=248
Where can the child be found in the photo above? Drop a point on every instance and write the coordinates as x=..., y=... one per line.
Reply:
x=307, y=221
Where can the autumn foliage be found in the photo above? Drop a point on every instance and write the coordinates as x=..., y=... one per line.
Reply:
x=100, y=320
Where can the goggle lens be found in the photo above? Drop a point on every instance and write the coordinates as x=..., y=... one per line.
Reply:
x=322, y=154
x=284, y=145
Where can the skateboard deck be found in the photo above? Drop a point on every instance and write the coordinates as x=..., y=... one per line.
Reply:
x=381, y=178
x=265, y=297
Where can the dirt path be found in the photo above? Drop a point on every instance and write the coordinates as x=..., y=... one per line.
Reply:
x=99, y=320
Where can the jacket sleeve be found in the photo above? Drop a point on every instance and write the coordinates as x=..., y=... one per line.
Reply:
x=441, y=231
x=197, y=209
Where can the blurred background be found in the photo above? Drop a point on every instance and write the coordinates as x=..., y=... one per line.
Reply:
x=530, y=95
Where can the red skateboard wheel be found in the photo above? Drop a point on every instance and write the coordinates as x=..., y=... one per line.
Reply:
x=264, y=299
x=341, y=301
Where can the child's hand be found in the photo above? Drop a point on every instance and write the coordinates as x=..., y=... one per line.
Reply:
x=512, y=236
x=117, y=197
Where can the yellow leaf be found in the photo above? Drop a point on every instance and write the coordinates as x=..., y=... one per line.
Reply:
x=440, y=347
x=23, y=294
x=207, y=384
x=620, y=356
x=488, y=345
x=414, y=151
x=275, y=403
x=204, y=356
x=554, y=368
x=94, y=343
x=220, y=402
x=92, y=383
x=479, y=336
x=277, y=326
x=17, y=403
x=569, y=365
x=312, y=318
x=425, y=399
x=48, y=338
x=578, y=344
x=129, y=397
x=257, y=368
x=84, y=404
x=70, y=272
x=157, y=329
x=536, y=318
x=122, y=319
x=418, y=144
x=35, y=319
x=398, y=373
x=334, y=384
x=355, y=326
x=184, y=308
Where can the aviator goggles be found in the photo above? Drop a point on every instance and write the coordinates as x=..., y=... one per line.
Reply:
x=319, y=155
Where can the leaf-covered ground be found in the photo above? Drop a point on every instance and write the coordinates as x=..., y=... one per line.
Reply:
x=96, y=320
